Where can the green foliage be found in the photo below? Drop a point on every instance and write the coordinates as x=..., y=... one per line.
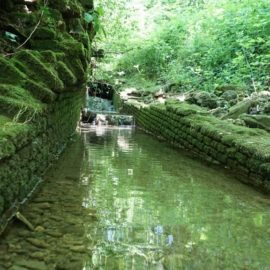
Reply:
x=226, y=42
x=93, y=16
x=152, y=59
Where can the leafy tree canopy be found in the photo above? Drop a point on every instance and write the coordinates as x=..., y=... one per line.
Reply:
x=197, y=44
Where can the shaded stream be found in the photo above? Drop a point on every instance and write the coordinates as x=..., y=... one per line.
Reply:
x=119, y=199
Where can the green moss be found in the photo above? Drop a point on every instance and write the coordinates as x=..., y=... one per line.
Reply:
x=55, y=17
x=14, y=98
x=44, y=33
x=66, y=5
x=265, y=169
x=12, y=136
x=40, y=91
x=32, y=132
x=77, y=69
x=49, y=56
x=85, y=40
x=29, y=62
x=248, y=141
x=184, y=108
x=4, y=120
x=87, y=4
x=73, y=48
x=46, y=44
x=75, y=26
x=238, y=109
x=9, y=73
x=65, y=74
x=7, y=148
x=257, y=121
x=24, y=22
x=2, y=202
x=75, y=56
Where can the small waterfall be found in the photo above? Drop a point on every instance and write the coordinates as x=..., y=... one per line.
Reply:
x=99, y=109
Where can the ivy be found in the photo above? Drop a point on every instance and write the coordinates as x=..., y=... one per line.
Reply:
x=93, y=17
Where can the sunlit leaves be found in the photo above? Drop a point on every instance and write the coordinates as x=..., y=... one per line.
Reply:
x=226, y=43
x=100, y=11
x=94, y=18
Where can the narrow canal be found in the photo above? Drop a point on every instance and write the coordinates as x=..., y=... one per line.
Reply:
x=119, y=199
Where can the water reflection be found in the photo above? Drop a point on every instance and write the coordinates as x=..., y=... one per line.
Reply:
x=158, y=209
x=126, y=201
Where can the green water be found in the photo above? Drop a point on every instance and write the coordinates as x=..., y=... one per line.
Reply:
x=119, y=199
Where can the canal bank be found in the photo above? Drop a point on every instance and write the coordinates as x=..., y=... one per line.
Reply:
x=43, y=72
x=244, y=150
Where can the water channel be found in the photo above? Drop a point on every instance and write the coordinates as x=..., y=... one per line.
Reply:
x=119, y=199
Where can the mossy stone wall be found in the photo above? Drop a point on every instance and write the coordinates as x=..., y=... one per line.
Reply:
x=21, y=169
x=42, y=87
x=245, y=151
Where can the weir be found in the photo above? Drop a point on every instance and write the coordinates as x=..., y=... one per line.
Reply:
x=100, y=110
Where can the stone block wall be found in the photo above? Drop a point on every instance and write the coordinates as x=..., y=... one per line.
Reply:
x=22, y=168
x=244, y=150
x=42, y=85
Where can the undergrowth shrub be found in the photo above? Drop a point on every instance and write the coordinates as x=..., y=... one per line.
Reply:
x=224, y=43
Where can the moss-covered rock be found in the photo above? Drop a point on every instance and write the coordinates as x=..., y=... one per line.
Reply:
x=257, y=121
x=14, y=99
x=44, y=33
x=9, y=73
x=39, y=91
x=73, y=8
x=238, y=109
x=183, y=108
x=29, y=62
x=65, y=74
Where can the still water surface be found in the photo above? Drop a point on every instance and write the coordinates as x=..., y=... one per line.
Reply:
x=119, y=199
